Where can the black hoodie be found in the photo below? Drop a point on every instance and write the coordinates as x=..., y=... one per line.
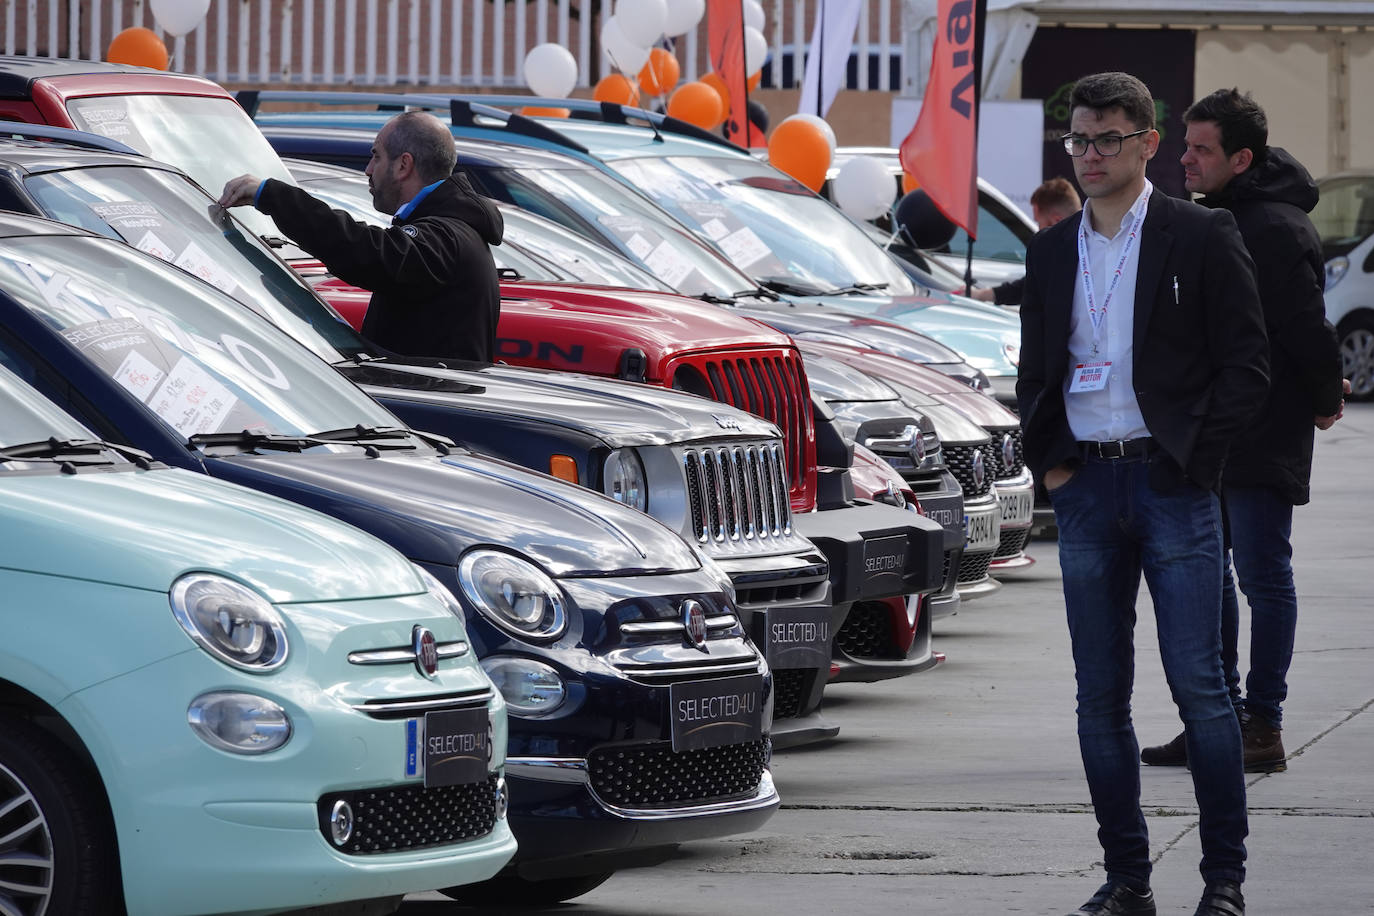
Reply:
x=433, y=282
x=1270, y=202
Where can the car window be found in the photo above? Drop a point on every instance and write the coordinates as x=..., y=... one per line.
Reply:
x=1344, y=215
x=576, y=256
x=1002, y=236
x=27, y=416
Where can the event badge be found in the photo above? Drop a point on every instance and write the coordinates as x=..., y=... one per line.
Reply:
x=1089, y=377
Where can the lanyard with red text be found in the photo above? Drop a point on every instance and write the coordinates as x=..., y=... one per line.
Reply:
x=1096, y=316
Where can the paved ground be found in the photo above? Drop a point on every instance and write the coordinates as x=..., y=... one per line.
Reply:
x=960, y=791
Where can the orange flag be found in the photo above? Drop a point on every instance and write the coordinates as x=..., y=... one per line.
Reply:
x=725, y=39
x=941, y=152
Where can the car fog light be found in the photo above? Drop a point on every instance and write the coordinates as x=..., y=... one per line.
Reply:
x=341, y=823
x=239, y=723
x=530, y=688
x=502, y=799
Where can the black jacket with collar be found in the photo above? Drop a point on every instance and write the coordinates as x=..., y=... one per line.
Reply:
x=1270, y=203
x=434, y=284
x=1200, y=353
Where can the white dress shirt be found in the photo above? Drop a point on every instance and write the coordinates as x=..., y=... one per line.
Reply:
x=1110, y=412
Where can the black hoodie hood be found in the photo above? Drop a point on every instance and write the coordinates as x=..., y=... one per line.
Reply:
x=459, y=199
x=1280, y=178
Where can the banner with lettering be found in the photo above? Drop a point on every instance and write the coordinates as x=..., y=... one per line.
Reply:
x=725, y=41
x=941, y=152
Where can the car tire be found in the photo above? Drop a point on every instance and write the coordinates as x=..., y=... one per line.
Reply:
x=514, y=891
x=1357, y=355
x=56, y=836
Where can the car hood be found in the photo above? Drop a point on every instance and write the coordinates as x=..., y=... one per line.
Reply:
x=78, y=526
x=619, y=413
x=434, y=508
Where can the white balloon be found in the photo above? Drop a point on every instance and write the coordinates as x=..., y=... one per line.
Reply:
x=627, y=56
x=550, y=70
x=864, y=188
x=820, y=122
x=755, y=50
x=753, y=14
x=642, y=21
x=177, y=17
x=683, y=16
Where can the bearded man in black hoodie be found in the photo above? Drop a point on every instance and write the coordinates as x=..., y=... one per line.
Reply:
x=433, y=281
x=1228, y=160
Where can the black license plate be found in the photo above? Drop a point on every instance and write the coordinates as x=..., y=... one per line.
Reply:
x=798, y=637
x=884, y=563
x=947, y=510
x=457, y=746
x=727, y=710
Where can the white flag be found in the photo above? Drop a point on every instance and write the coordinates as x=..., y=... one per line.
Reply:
x=832, y=39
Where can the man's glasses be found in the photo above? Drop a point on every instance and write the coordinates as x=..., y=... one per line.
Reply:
x=1109, y=145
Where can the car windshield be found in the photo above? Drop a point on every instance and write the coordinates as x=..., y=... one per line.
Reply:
x=211, y=139
x=26, y=416
x=163, y=214
x=595, y=205
x=576, y=256
x=193, y=355
x=1344, y=216
x=768, y=225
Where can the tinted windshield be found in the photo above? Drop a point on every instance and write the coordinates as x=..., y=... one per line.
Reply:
x=767, y=224
x=595, y=205
x=576, y=256
x=1344, y=216
x=210, y=139
x=27, y=416
x=193, y=355
x=165, y=215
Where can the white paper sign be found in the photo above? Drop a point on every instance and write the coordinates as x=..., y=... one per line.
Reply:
x=191, y=401
x=715, y=230
x=744, y=248
x=196, y=261
x=640, y=246
x=151, y=243
x=668, y=265
x=138, y=375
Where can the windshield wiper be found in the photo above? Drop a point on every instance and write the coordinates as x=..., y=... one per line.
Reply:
x=247, y=439
x=790, y=287
x=758, y=292
x=64, y=450
x=856, y=288
x=354, y=435
x=713, y=299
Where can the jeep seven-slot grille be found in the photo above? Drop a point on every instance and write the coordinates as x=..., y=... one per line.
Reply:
x=772, y=386
x=652, y=776
x=962, y=461
x=737, y=492
x=403, y=818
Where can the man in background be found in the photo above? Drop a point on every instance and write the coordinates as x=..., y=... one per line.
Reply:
x=1052, y=201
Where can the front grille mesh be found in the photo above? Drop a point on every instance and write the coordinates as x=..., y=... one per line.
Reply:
x=737, y=492
x=867, y=632
x=1013, y=542
x=401, y=818
x=653, y=776
x=961, y=460
x=974, y=567
x=788, y=685
x=1006, y=471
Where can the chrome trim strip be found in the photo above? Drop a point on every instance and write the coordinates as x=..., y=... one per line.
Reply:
x=658, y=671
x=573, y=770
x=549, y=769
x=716, y=622
x=455, y=649
x=392, y=706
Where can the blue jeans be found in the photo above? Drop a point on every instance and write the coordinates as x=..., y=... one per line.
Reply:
x=1260, y=523
x=1113, y=527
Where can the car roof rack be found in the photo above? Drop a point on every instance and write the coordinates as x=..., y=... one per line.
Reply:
x=20, y=130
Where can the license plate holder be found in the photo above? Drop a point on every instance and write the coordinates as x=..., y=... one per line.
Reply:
x=455, y=746
x=716, y=712
x=797, y=637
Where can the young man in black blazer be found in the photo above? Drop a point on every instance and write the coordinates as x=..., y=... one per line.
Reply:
x=1143, y=353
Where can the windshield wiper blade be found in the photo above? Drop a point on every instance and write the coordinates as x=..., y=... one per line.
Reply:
x=63, y=451
x=790, y=287
x=856, y=288
x=247, y=439
x=713, y=299
x=758, y=292
x=354, y=433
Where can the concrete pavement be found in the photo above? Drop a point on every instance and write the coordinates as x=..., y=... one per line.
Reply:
x=960, y=791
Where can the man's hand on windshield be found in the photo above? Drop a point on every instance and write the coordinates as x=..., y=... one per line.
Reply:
x=240, y=191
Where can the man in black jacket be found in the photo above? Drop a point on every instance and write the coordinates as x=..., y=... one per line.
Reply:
x=434, y=284
x=1227, y=159
x=1142, y=355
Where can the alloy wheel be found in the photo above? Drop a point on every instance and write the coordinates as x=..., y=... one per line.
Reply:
x=26, y=850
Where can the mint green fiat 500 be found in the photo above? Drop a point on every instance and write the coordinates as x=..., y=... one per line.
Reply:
x=213, y=701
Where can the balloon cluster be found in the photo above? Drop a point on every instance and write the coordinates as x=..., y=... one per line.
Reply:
x=142, y=47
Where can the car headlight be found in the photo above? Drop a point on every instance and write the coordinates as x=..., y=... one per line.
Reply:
x=513, y=593
x=230, y=621
x=529, y=687
x=623, y=479
x=1336, y=268
x=240, y=723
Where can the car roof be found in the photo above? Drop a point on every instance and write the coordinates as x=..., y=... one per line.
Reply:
x=18, y=74
x=38, y=156
x=294, y=139
x=621, y=141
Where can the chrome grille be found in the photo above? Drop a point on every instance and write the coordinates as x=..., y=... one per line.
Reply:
x=960, y=459
x=737, y=492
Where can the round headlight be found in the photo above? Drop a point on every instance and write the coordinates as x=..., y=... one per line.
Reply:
x=623, y=479
x=240, y=723
x=513, y=593
x=230, y=621
x=1336, y=268
x=529, y=687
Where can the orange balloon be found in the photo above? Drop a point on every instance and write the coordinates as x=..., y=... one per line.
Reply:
x=534, y=111
x=616, y=88
x=661, y=73
x=699, y=104
x=138, y=46
x=716, y=82
x=755, y=80
x=909, y=183
x=800, y=149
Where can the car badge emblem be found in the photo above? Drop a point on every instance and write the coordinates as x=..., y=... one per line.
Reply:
x=1008, y=452
x=726, y=422
x=694, y=623
x=979, y=471
x=918, y=447
x=426, y=651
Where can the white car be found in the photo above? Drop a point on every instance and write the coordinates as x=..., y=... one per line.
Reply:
x=1344, y=218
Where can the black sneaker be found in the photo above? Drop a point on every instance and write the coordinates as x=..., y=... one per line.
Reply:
x=1113, y=899
x=1221, y=898
x=1173, y=754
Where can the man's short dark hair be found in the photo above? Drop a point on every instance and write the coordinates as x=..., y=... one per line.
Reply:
x=1056, y=194
x=428, y=141
x=1239, y=119
x=1104, y=91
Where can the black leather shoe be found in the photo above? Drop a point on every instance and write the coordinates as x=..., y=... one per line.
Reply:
x=1114, y=899
x=1221, y=898
x=1173, y=754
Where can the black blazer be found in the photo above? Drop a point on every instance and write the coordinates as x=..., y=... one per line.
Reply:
x=1201, y=355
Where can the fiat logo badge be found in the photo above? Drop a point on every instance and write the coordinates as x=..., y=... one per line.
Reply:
x=918, y=443
x=426, y=651
x=1008, y=452
x=694, y=623
x=979, y=471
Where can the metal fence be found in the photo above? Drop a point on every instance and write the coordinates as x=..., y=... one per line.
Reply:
x=462, y=43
